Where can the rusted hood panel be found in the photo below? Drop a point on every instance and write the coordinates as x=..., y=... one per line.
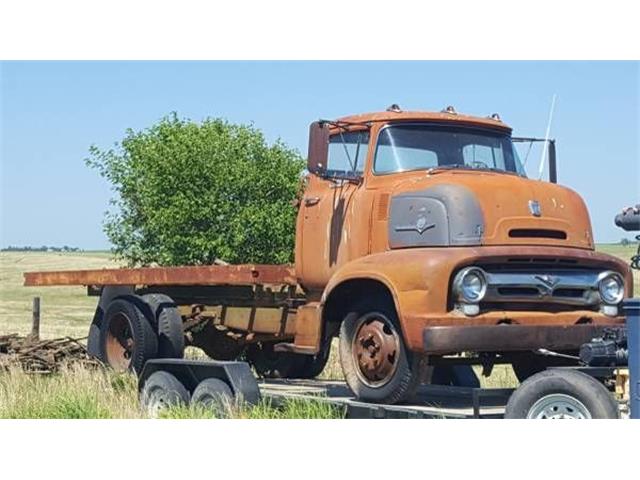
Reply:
x=505, y=203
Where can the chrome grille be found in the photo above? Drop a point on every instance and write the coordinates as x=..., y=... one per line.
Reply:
x=578, y=287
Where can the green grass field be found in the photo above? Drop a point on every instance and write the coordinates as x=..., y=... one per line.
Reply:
x=78, y=393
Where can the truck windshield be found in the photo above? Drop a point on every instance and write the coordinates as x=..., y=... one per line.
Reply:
x=402, y=148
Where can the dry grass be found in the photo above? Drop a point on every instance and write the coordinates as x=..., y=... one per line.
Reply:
x=78, y=392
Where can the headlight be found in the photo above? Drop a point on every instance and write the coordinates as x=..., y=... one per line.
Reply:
x=611, y=288
x=470, y=284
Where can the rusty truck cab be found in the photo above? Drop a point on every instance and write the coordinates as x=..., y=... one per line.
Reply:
x=433, y=213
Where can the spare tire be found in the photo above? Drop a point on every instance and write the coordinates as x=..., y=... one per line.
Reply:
x=168, y=324
x=127, y=339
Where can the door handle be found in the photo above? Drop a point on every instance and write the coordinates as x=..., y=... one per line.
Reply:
x=310, y=201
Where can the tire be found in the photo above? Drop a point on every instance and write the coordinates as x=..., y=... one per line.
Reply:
x=561, y=393
x=127, y=339
x=162, y=390
x=213, y=393
x=94, y=348
x=168, y=323
x=399, y=370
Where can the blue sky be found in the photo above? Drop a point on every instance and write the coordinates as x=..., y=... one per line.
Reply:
x=51, y=112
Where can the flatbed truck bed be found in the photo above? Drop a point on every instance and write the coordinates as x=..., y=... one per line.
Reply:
x=248, y=274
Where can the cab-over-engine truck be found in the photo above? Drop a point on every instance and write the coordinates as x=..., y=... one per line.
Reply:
x=418, y=239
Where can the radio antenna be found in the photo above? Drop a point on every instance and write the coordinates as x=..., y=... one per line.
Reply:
x=545, y=147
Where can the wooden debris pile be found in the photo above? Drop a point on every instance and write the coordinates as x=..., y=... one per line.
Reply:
x=42, y=356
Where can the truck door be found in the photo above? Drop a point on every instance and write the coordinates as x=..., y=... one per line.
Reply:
x=327, y=207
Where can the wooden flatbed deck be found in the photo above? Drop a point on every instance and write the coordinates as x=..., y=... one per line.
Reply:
x=197, y=275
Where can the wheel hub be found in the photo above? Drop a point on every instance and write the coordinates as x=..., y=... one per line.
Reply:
x=119, y=343
x=375, y=348
x=558, y=407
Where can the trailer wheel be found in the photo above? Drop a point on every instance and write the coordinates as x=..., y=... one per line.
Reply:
x=161, y=391
x=561, y=394
x=127, y=338
x=213, y=393
x=375, y=362
x=168, y=323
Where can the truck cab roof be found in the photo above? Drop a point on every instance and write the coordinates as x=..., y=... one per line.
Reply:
x=451, y=116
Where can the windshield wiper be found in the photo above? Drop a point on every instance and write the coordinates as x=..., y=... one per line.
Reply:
x=458, y=166
x=442, y=168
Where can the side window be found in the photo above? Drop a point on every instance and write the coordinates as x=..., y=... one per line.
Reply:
x=491, y=157
x=348, y=150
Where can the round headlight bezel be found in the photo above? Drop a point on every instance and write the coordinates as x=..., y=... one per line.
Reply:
x=461, y=285
x=608, y=276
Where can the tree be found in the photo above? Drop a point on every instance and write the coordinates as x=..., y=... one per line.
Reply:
x=625, y=242
x=188, y=193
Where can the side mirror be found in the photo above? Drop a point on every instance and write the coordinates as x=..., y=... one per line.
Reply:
x=318, y=148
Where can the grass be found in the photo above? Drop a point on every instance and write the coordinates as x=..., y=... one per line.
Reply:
x=81, y=393
x=77, y=392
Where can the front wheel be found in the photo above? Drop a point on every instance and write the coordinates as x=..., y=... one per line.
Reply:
x=374, y=360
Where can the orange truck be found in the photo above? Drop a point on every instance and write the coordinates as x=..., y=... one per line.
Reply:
x=420, y=244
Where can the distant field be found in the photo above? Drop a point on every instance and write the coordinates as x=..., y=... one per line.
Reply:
x=64, y=310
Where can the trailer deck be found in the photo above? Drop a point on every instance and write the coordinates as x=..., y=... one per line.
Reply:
x=431, y=401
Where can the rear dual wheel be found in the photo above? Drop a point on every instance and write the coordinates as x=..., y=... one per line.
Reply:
x=135, y=329
x=126, y=337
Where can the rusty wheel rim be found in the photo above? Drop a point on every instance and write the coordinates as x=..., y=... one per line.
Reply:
x=376, y=350
x=119, y=344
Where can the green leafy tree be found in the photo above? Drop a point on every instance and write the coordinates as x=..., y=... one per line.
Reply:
x=189, y=193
